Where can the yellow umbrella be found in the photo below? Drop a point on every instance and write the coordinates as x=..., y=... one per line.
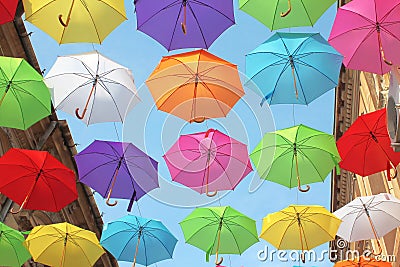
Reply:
x=300, y=227
x=63, y=245
x=73, y=21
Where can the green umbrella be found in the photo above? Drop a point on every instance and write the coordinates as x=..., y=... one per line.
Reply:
x=219, y=230
x=296, y=152
x=12, y=251
x=279, y=14
x=24, y=97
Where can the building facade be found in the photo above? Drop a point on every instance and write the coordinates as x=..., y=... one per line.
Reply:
x=359, y=93
x=52, y=135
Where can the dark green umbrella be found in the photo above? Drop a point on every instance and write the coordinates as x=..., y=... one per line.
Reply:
x=24, y=97
x=12, y=251
x=301, y=155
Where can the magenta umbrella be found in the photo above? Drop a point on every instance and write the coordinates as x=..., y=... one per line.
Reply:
x=367, y=34
x=208, y=161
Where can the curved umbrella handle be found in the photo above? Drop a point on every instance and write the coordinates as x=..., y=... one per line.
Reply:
x=284, y=14
x=18, y=211
x=183, y=24
x=111, y=204
x=218, y=261
x=301, y=189
x=303, y=257
x=379, y=251
x=198, y=119
x=211, y=194
x=64, y=24
x=80, y=116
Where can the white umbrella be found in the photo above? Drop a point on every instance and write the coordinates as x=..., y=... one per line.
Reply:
x=92, y=87
x=369, y=217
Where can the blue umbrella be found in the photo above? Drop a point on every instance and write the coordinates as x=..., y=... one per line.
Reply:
x=294, y=68
x=138, y=240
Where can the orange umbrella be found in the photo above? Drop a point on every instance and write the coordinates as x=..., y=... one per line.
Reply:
x=195, y=86
x=363, y=262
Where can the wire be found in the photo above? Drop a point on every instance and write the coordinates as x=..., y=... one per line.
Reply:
x=116, y=131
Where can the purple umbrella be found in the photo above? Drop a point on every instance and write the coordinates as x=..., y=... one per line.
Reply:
x=117, y=170
x=184, y=23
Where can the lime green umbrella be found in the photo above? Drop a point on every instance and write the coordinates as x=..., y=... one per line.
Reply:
x=300, y=155
x=24, y=97
x=12, y=251
x=279, y=14
x=219, y=230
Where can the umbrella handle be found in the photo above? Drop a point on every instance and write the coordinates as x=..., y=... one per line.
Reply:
x=394, y=169
x=64, y=24
x=111, y=204
x=284, y=14
x=111, y=188
x=198, y=119
x=218, y=261
x=80, y=116
x=303, y=257
x=381, y=47
x=211, y=194
x=18, y=211
x=301, y=189
x=380, y=249
x=183, y=24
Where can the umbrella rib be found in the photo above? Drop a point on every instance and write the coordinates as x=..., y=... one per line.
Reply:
x=158, y=12
x=176, y=23
x=362, y=41
x=102, y=84
x=81, y=86
x=126, y=244
x=79, y=246
x=39, y=9
x=117, y=11
x=224, y=171
x=281, y=61
x=312, y=67
x=312, y=164
x=308, y=15
x=106, y=80
x=198, y=24
x=93, y=102
x=216, y=10
x=276, y=9
x=231, y=156
x=162, y=244
x=97, y=167
x=91, y=18
x=286, y=230
x=279, y=77
x=173, y=91
x=20, y=89
x=388, y=13
x=234, y=237
x=6, y=238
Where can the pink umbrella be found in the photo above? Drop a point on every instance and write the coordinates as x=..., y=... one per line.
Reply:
x=208, y=161
x=367, y=34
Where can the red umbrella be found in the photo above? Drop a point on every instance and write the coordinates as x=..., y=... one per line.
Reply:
x=7, y=10
x=36, y=180
x=365, y=147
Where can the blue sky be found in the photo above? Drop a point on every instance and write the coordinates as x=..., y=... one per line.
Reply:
x=154, y=131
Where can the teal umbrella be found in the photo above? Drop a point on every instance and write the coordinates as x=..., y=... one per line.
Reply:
x=294, y=68
x=24, y=97
x=12, y=251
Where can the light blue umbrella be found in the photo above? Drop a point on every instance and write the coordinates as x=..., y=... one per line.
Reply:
x=294, y=68
x=138, y=240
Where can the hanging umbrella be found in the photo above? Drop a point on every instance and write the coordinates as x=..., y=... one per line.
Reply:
x=185, y=23
x=366, y=33
x=70, y=21
x=301, y=155
x=369, y=217
x=117, y=170
x=208, y=161
x=363, y=262
x=36, y=180
x=138, y=240
x=279, y=14
x=299, y=227
x=93, y=84
x=63, y=245
x=294, y=68
x=24, y=98
x=12, y=252
x=219, y=230
x=365, y=147
x=7, y=10
x=195, y=86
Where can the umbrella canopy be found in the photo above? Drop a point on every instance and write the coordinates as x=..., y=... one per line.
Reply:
x=208, y=161
x=138, y=240
x=219, y=230
x=12, y=251
x=195, y=86
x=366, y=33
x=369, y=217
x=36, y=180
x=363, y=262
x=117, y=170
x=7, y=10
x=365, y=146
x=93, y=84
x=71, y=21
x=301, y=155
x=299, y=227
x=63, y=245
x=185, y=23
x=24, y=98
x=279, y=14
x=294, y=68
